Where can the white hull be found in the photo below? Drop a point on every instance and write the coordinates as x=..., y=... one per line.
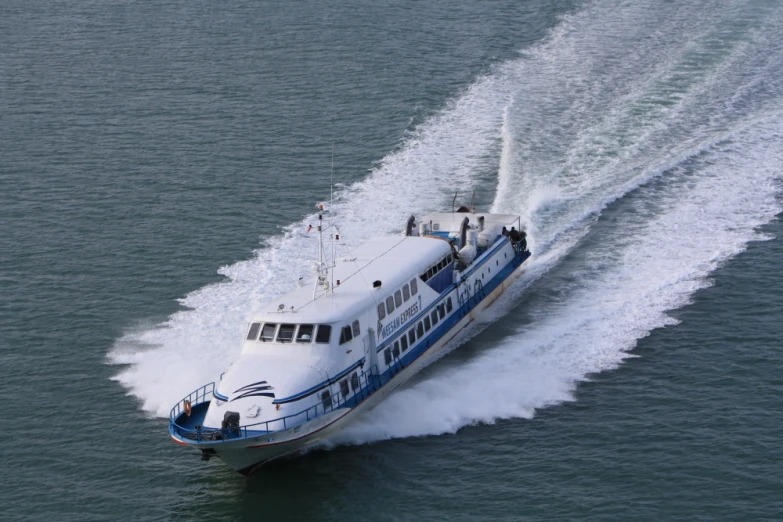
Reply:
x=246, y=455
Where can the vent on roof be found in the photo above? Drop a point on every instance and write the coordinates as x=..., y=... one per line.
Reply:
x=376, y=283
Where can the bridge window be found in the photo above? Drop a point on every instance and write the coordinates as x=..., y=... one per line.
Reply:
x=442, y=311
x=324, y=334
x=420, y=330
x=387, y=357
x=356, y=329
x=434, y=316
x=412, y=336
x=396, y=350
x=286, y=333
x=414, y=287
x=252, y=335
x=448, y=305
x=326, y=399
x=406, y=292
x=404, y=342
x=344, y=388
x=397, y=298
x=389, y=304
x=424, y=277
x=427, y=323
x=381, y=312
x=345, y=334
x=354, y=381
x=268, y=332
x=305, y=333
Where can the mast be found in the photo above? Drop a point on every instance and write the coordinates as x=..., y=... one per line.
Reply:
x=320, y=269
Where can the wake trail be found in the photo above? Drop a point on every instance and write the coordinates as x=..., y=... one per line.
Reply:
x=680, y=126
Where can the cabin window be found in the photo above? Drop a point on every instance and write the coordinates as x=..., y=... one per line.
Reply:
x=419, y=330
x=436, y=226
x=414, y=287
x=397, y=298
x=406, y=292
x=324, y=334
x=252, y=335
x=387, y=357
x=356, y=329
x=345, y=334
x=326, y=399
x=430, y=273
x=381, y=312
x=396, y=350
x=441, y=265
x=448, y=304
x=305, y=333
x=412, y=336
x=268, y=332
x=404, y=342
x=354, y=381
x=442, y=311
x=434, y=316
x=427, y=323
x=424, y=277
x=389, y=304
x=286, y=333
x=344, y=388
x=448, y=258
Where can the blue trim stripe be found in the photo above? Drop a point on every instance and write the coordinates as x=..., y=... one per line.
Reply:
x=434, y=335
x=323, y=384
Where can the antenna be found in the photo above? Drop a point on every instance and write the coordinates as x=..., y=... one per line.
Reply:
x=472, y=197
x=453, y=201
x=331, y=212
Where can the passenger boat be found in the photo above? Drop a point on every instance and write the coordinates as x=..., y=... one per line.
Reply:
x=317, y=357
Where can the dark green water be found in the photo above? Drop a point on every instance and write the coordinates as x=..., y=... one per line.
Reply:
x=159, y=160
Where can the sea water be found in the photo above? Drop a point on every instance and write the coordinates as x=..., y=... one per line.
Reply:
x=161, y=163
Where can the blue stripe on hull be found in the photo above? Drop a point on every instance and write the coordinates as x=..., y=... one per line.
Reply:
x=436, y=333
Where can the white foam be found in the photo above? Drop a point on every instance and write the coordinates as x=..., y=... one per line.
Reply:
x=567, y=145
x=658, y=265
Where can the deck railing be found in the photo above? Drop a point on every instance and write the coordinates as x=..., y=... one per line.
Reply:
x=369, y=383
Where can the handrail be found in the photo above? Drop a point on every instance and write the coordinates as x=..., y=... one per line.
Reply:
x=193, y=397
x=369, y=383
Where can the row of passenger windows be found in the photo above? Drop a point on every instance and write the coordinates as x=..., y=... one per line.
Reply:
x=434, y=269
x=395, y=301
x=285, y=333
x=417, y=332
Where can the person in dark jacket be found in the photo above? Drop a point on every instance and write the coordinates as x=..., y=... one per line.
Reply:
x=518, y=238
